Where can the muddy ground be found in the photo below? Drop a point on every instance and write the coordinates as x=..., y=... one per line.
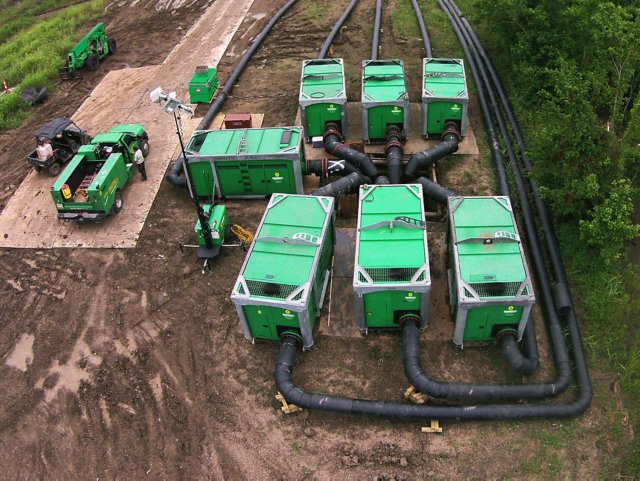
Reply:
x=130, y=364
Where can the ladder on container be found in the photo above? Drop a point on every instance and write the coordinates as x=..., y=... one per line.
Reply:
x=86, y=182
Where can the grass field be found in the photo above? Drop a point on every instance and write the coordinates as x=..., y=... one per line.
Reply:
x=34, y=40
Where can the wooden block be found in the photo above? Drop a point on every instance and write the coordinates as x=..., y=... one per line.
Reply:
x=433, y=428
x=286, y=407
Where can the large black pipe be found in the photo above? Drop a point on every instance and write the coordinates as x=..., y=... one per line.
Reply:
x=394, y=151
x=460, y=390
x=435, y=191
x=174, y=176
x=562, y=296
x=334, y=146
x=237, y=71
x=583, y=383
x=337, y=404
x=421, y=160
x=558, y=344
x=561, y=291
x=328, y=167
x=375, y=41
x=508, y=342
x=336, y=28
x=342, y=186
x=423, y=30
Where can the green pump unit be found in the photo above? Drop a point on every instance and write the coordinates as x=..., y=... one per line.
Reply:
x=445, y=97
x=323, y=96
x=385, y=101
x=246, y=162
x=284, y=277
x=490, y=289
x=391, y=276
x=218, y=222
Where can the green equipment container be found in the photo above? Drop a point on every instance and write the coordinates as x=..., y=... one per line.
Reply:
x=490, y=289
x=385, y=101
x=284, y=277
x=218, y=221
x=391, y=275
x=323, y=97
x=246, y=162
x=203, y=85
x=445, y=97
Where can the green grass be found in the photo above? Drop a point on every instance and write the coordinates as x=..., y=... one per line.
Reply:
x=36, y=48
x=403, y=19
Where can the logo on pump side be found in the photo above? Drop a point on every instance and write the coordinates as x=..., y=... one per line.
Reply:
x=410, y=297
x=331, y=108
x=277, y=177
x=510, y=310
x=455, y=107
x=396, y=110
x=287, y=314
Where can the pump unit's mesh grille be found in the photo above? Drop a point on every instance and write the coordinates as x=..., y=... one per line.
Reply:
x=270, y=289
x=496, y=289
x=392, y=274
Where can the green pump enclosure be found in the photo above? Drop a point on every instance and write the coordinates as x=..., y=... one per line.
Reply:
x=203, y=85
x=385, y=101
x=445, y=97
x=391, y=275
x=284, y=277
x=490, y=289
x=246, y=162
x=323, y=96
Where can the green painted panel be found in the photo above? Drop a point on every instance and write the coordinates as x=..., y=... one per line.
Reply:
x=380, y=117
x=385, y=246
x=441, y=112
x=202, y=177
x=481, y=321
x=383, y=308
x=265, y=321
x=318, y=115
x=383, y=81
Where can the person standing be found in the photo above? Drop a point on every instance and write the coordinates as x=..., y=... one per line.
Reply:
x=139, y=160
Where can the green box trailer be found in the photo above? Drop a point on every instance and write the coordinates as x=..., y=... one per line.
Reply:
x=323, y=96
x=391, y=275
x=445, y=97
x=203, y=85
x=284, y=277
x=490, y=289
x=385, y=101
x=246, y=162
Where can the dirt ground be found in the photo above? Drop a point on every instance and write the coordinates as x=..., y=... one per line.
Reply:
x=130, y=364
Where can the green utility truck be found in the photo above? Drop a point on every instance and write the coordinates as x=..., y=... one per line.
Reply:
x=323, y=96
x=385, y=101
x=246, y=162
x=88, y=52
x=284, y=277
x=391, y=276
x=490, y=290
x=90, y=188
x=445, y=98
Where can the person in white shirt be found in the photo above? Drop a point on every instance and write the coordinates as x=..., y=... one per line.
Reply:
x=138, y=158
x=44, y=150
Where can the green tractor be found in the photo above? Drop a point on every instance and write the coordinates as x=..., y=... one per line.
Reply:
x=88, y=52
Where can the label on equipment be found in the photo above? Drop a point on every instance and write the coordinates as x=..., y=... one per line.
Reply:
x=331, y=108
x=287, y=314
x=410, y=297
x=277, y=177
x=510, y=310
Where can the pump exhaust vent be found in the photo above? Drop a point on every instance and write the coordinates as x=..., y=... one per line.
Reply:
x=496, y=289
x=381, y=275
x=270, y=289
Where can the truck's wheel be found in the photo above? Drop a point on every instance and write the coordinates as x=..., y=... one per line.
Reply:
x=54, y=169
x=113, y=46
x=144, y=146
x=92, y=62
x=117, y=202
